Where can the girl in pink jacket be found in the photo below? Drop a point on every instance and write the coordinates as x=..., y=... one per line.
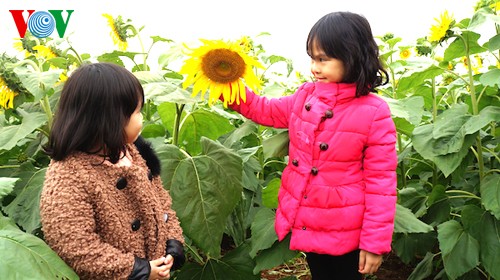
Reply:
x=338, y=192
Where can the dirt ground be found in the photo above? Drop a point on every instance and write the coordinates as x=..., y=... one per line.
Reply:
x=392, y=269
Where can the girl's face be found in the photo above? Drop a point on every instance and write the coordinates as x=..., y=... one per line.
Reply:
x=326, y=69
x=134, y=125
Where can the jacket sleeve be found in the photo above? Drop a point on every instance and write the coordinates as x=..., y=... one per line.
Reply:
x=141, y=271
x=176, y=250
x=69, y=228
x=273, y=112
x=379, y=164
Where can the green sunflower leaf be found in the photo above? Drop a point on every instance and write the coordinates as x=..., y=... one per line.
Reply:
x=486, y=229
x=25, y=256
x=205, y=190
x=494, y=43
x=418, y=78
x=236, y=264
x=38, y=83
x=6, y=186
x=490, y=194
x=279, y=253
x=263, y=233
x=201, y=123
x=160, y=89
x=460, y=251
x=491, y=78
x=407, y=222
x=11, y=135
x=25, y=208
x=457, y=48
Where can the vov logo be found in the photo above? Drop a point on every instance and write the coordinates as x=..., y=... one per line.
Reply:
x=41, y=23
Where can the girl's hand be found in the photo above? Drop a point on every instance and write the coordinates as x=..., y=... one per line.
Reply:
x=160, y=268
x=369, y=262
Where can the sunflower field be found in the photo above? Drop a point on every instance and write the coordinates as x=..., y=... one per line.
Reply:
x=224, y=171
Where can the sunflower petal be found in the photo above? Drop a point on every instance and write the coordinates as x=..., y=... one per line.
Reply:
x=243, y=92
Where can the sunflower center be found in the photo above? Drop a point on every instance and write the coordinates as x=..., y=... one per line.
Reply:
x=223, y=65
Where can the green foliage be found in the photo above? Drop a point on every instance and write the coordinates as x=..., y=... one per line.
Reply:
x=24, y=209
x=448, y=155
x=6, y=185
x=406, y=222
x=263, y=234
x=25, y=256
x=224, y=172
x=204, y=190
x=13, y=134
x=446, y=141
x=236, y=264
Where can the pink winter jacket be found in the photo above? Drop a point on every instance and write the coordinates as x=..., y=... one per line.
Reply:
x=338, y=191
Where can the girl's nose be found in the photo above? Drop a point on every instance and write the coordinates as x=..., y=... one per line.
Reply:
x=314, y=67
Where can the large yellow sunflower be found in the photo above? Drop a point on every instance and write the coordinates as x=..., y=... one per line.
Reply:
x=6, y=95
x=221, y=68
x=439, y=30
x=118, y=31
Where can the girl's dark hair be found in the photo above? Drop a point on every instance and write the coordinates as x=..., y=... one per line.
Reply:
x=348, y=37
x=96, y=103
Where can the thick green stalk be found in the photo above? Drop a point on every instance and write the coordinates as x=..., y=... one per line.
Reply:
x=434, y=100
x=78, y=57
x=9, y=166
x=402, y=166
x=145, y=55
x=45, y=104
x=177, y=123
x=475, y=107
x=147, y=110
x=434, y=116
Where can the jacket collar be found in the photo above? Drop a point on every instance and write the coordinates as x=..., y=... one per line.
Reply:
x=334, y=93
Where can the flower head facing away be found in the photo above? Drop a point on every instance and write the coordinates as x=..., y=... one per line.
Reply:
x=10, y=84
x=6, y=95
x=440, y=29
x=25, y=45
x=118, y=31
x=220, y=67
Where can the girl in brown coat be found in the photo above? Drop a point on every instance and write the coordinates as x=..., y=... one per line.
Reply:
x=103, y=206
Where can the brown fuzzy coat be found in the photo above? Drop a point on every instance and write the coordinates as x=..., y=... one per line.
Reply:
x=97, y=222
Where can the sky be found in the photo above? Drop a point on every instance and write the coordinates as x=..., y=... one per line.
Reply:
x=287, y=21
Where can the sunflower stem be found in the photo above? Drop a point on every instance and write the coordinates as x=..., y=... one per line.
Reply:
x=145, y=55
x=402, y=166
x=475, y=107
x=45, y=104
x=78, y=57
x=23, y=62
x=434, y=116
x=197, y=256
x=147, y=109
x=9, y=166
x=177, y=123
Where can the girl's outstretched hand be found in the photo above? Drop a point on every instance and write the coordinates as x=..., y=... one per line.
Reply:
x=369, y=262
x=160, y=268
